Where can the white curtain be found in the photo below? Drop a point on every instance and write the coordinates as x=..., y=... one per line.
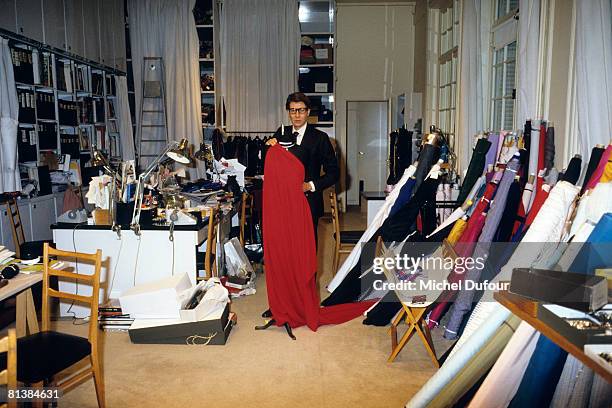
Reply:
x=166, y=28
x=260, y=45
x=527, y=61
x=124, y=118
x=9, y=113
x=593, y=76
x=473, y=79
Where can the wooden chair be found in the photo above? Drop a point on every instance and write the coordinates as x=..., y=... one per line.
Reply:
x=344, y=240
x=22, y=247
x=210, y=266
x=414, y=315
x=45, y=354
x=246, y=212
x=8, y=376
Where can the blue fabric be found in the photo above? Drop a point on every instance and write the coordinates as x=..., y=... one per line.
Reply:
x=541, y=377
x=403, y=197
x=597, y=251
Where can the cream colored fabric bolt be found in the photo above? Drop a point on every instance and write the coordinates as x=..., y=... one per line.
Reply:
x=503, y=380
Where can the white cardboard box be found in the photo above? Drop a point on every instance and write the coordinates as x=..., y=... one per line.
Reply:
x=161, y=299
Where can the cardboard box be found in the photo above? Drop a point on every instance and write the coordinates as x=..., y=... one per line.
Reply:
x=576, y=291
x=557, y=317
x=323, y=53
x=213, y=331
x=161, y=299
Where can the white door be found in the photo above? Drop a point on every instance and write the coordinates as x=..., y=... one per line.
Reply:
x=367, y=131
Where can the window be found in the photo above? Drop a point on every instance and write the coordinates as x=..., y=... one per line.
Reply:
x=503, y=68
x=443, y=46
x=504, y=82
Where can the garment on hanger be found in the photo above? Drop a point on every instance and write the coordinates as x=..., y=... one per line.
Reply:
x=289, y=249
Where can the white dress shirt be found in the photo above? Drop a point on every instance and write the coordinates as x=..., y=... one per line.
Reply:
x=298, y=141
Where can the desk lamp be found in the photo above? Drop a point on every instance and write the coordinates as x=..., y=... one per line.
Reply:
x=177, y=151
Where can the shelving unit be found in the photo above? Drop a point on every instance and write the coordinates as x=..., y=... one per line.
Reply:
x=63, y=104
x=317, y=65
x=204, y=15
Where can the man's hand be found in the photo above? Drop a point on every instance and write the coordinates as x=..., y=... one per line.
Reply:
x=306, y=187
x=272, y=142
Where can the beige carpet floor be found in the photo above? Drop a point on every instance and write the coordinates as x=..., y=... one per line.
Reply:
x=338, y=366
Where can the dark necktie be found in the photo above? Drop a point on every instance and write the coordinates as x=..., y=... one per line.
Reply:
x=294, y=137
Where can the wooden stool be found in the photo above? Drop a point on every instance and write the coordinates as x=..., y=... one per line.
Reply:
x=414, y=316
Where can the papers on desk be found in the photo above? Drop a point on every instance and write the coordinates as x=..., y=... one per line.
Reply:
x=6, y=255
x=231, y=167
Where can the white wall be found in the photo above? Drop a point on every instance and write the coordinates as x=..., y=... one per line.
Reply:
x=375, y=48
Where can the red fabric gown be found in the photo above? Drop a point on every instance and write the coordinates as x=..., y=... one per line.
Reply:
x=289, y=249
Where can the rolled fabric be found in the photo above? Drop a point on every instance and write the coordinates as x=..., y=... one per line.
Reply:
x=477, y=366
x=525, y=156
x=457, y=230
x=596, y=154
x=542, y=375
x=475, y=168
x=504, y=230
x=463, y=302
x=597, y=254
x=572, y=173
x=379, y=218
x=393, y=159
x=607, y=173
x=456, y=362
x=542, y=147
x=549, y=150
x=574, y=386
x=504, y=379
x=491, y=156
x=428, y=157
x=600, y=168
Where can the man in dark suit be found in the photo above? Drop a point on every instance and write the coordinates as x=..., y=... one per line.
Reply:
x=316, y=152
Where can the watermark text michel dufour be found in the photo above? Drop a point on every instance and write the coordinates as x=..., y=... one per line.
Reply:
x=432, y=285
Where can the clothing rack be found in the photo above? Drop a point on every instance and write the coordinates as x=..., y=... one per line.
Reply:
x=251, y=132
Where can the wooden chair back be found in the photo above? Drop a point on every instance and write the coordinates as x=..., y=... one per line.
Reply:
x=246, y=211
x=211, y=241
x=16, y=225
x=94, y=280
x=8, y=376
x=333, y=201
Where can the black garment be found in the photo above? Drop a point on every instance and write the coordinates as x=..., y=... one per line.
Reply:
x=506, y=224
x=525, y=153
x=316, y=152
x=395, y=228
x=475, y=168
x=596, y=154
x=549, y=148
x=404, y=148
x=393, y=159
x=217, y=145
x=572, y=173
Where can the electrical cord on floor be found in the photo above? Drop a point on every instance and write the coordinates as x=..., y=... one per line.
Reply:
x=137, y=257
x=76, y=282
x=110, y=290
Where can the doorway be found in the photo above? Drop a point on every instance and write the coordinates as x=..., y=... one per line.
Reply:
x=367, y=127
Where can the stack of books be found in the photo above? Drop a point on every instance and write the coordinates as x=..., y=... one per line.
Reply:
x=111, y=318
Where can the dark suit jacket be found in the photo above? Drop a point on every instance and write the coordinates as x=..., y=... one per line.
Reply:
x=316, y=152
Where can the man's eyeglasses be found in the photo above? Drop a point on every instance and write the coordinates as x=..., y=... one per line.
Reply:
x=298, y=110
